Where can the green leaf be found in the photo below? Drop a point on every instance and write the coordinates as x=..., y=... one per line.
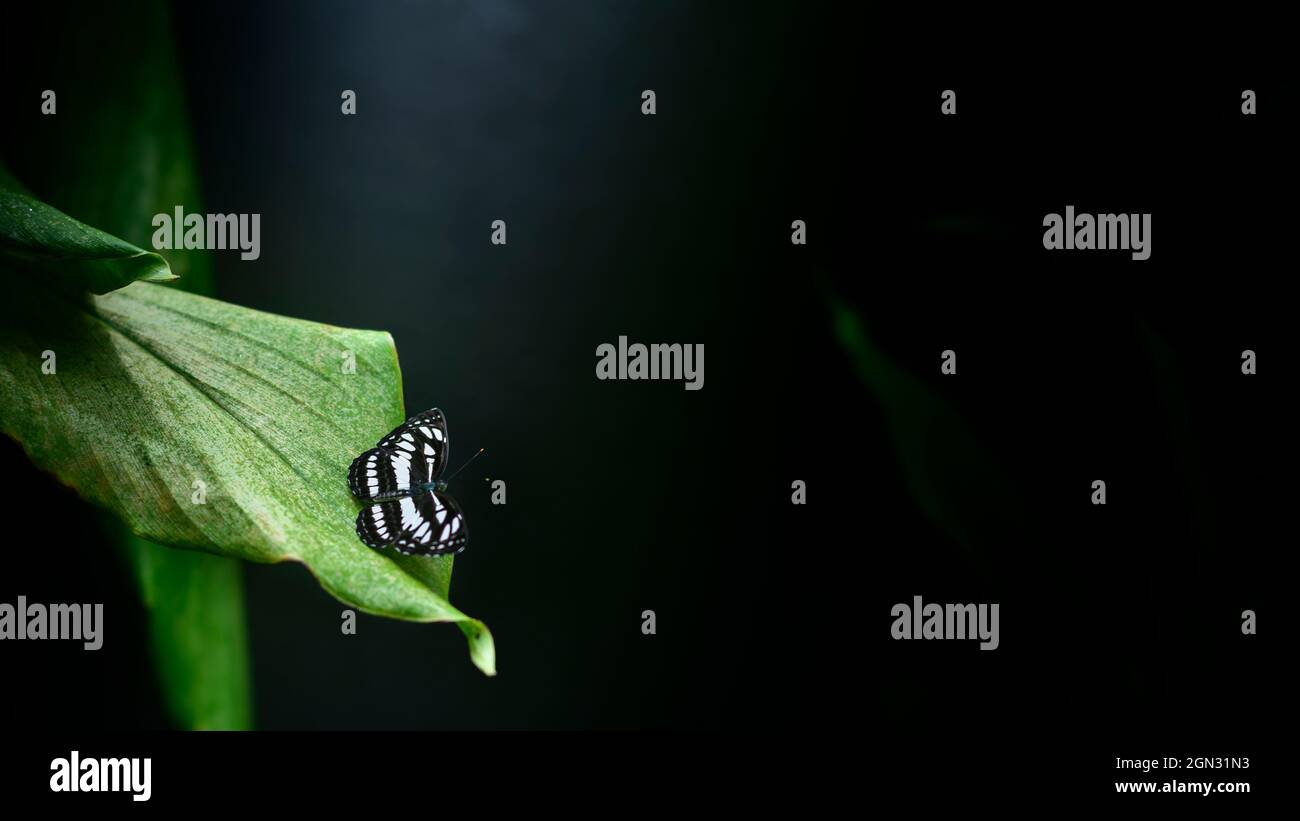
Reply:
x=141, y=163
x=157, y=390
x=41, y=241
x=197, y=629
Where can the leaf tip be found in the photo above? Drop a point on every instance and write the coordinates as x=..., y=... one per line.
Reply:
x=482, y=649
x=158, y=269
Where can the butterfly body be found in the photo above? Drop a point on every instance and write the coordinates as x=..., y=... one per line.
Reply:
x=410, y=511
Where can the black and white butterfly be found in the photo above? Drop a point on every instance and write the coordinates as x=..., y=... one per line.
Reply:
x=412, y=511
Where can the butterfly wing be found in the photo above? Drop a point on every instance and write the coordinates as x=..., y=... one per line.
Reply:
x=439, y=527
x=424, y=439
x=428, y=523
x=384, y=474
x=406, y=516
x=413, y=454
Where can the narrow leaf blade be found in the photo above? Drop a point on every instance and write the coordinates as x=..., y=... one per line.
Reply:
x=40, y=241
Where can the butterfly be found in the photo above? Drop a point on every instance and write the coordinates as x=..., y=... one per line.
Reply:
x=412, y=511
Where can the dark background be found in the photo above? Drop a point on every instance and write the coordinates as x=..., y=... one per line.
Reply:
x=1117, y=622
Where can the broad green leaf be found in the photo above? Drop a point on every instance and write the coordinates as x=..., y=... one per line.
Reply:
x=139, y=163
x=215, y=427
x=42, y=241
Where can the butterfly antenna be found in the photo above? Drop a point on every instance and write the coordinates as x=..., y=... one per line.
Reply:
x=467, y=461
